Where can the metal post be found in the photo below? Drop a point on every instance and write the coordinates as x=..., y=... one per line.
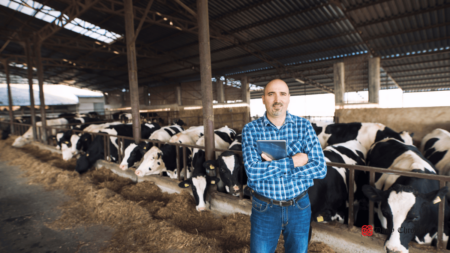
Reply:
x=40, y=70
x=10, y=100
x=351, y=197
x=132, y=69
x=374, y=80
x=179, y=94
x=220, y=94
x=441, y=214
x=339, y=82
x=371, y=204
x=30, y=82
x=206, y=77
x=246, y=98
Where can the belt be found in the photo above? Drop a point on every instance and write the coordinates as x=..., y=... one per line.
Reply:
x=277, y=202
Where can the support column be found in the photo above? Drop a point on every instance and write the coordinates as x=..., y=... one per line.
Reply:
x=40, y=70
x=220, y=93
x=206, y=76
x=132, y=69
x=374, y=80
x=339, y=82
x=30, y=82
x=179, y=94
x=10, y=100
x=245, y=88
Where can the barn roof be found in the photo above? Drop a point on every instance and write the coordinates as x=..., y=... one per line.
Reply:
x=298, y=41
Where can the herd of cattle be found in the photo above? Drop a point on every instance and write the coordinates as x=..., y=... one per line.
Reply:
x=406, y=208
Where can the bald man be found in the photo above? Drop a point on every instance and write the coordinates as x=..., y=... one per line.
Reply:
x=280, y=201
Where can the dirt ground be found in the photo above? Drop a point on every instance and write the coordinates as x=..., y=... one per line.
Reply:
x=144, y=218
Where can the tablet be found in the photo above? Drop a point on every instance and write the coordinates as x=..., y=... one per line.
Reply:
x=274, y=149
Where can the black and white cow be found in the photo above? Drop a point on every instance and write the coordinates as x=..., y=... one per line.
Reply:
x=329, y=196
x=164, y=159
x=232, y=172
x=28, y=135
x=410, y=208
x=223, y=137
x=95, y=152
x=165, y=133
x=236, y=144
x=199, y=183
x=194, y=132
x=365, y=133
x=134, y=153
x=435, y=147
x=403, y=202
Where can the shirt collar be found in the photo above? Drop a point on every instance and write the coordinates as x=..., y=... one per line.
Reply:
x=288, y=119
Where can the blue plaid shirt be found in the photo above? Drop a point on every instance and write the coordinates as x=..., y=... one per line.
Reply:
x=279, y=179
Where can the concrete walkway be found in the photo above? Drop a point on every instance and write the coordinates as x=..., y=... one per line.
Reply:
x=24, y=210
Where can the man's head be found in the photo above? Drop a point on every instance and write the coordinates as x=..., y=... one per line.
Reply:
x=276, y=98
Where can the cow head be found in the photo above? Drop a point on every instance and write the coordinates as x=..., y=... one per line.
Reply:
x=230, y=171
x=402, y=206
x=132, y=148
x=83, y=164
x=179, y=122
x=21, y=141
x=198, y=185
x=152, y=163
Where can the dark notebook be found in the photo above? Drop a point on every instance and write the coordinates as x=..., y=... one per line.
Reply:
x=274, y=149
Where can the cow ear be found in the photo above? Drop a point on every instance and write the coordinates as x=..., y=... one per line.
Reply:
x=185, y=184
x=373, y=193
x=159, y=155
x=411, y=134
x=436, y=196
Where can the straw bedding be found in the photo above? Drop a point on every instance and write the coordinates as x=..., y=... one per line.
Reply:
x=144, y=218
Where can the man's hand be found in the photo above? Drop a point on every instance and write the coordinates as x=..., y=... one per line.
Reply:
x=300, y=159
x=265, y=157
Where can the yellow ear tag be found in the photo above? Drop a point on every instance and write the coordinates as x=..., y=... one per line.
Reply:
x=213, y=182
x=87, y=154
x=436, y=200
x=319, y=218
x=211, y=166
x=186, y=185
x=145, y=147
x=67, y=142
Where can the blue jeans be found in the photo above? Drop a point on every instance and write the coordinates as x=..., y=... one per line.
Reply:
x=268, y=221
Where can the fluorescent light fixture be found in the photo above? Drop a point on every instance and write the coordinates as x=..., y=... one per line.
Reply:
x=116, y=52
x=298, y=80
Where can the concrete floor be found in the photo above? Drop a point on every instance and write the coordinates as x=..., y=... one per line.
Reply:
x=25, y=208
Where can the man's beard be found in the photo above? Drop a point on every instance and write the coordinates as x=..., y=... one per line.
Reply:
x=277, y=112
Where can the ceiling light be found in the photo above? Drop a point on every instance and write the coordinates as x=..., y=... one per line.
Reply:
x=165, y=18
x=298, y=80
x=116, y=52
x=98, y=43
x=171, y=23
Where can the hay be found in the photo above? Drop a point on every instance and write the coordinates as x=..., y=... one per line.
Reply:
x=144, y=218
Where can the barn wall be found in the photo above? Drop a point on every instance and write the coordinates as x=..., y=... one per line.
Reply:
x=419, y=121
x=87, y=104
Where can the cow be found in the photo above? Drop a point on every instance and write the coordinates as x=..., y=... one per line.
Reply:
x=397, y=197
x=125, y=117
x=365, y=133
x=164, y=159
x=134, y=153
x=232, y=172
x=165, y=133
x=194, y=132
x=95, y=152
x=236, y=144
x=329, y=196
x=199, y=183
x=28, y=135
x=435, y=147
x=223, y=137
x=410, y=207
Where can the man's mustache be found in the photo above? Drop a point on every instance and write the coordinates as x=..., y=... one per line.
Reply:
x=274, y=104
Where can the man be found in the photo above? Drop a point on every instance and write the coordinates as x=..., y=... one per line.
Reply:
x=280, y=200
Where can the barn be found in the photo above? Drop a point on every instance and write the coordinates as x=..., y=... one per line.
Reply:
x=177, y=79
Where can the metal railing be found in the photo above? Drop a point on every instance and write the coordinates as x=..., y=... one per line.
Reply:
x=22, y=128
